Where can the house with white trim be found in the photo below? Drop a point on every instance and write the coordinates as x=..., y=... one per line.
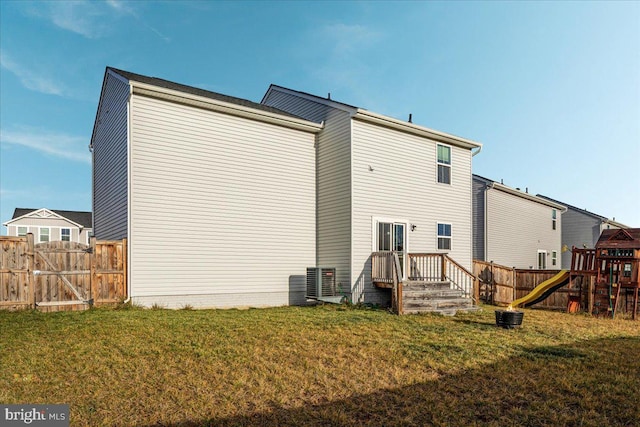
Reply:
x=226, y=202
x=49, y=225
x=514, y=228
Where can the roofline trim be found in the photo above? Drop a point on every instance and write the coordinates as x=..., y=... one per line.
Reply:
x=603, y=219
x=43, y=209
x=152, y=91
x=310, y=97
x=390, y=122
x=513, y=191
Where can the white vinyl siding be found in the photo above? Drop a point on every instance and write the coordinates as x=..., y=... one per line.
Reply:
x=221, y=207
x=392, y=175
x=517, y=228
x=110, y=161
x=333, y=181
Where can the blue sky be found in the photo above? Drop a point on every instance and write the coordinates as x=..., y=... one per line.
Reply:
x=552, y=89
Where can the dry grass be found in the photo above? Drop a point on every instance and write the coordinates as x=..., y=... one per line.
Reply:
x=321, y=366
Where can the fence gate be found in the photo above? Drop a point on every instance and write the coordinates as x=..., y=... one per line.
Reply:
x=62, y=274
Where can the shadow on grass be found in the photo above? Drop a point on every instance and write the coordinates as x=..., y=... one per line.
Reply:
x=589, y=383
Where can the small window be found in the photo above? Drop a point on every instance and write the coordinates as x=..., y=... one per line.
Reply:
x=22, y=231
x=627, y=270
x=444, y=164
x=44, y=235
x=65, y=234
x=444, y=236
x=553, y=219
x=554, y=258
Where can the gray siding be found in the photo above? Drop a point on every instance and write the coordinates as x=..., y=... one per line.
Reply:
x=478, y=220
x=403, y=187
x=578, y=230
x=333, y=163
x=110, y=161
x=222, y=208
x=517, y=228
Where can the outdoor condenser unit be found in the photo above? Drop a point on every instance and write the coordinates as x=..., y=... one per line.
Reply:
x=321, y=285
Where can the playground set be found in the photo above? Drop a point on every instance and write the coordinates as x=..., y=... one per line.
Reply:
x=610, y=275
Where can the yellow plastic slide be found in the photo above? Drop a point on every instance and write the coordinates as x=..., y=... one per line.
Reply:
x=543, y=290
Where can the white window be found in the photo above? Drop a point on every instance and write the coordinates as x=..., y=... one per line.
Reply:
x=44, y=235
x=553, y=219
x=65, y=234
x=444, y=236
x=22, y=231
x=444, y=164
x=554, y=257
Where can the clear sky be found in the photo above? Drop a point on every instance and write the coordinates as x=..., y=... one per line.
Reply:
x=552, y=89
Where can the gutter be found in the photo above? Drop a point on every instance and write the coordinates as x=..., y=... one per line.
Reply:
x=389, y=122
x=513, y=191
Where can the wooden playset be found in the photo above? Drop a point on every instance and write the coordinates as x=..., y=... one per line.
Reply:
x=614, y=266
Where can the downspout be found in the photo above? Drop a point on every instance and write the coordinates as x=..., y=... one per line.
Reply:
x=129, y=194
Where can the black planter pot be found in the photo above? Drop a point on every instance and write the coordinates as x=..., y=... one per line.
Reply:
x=509, y=319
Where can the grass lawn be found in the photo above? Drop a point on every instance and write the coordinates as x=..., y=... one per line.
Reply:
x=326, y=365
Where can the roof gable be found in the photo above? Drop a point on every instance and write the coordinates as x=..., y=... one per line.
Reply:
x=623, y=238
x=79, y=218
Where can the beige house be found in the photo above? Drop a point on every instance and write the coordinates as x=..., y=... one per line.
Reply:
x=226, y=202
x=48, y=225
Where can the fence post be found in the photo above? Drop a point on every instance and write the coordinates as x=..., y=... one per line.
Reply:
x=31, y=281
x=93, y=282
x=442, y=268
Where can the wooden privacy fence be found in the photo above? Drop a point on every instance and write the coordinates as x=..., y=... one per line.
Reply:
x=500, y=285
x=60, y=275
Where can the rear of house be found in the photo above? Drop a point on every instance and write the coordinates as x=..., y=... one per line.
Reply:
x=215, y=194
x=383, y=185
x=515, y=228
x=226, y=202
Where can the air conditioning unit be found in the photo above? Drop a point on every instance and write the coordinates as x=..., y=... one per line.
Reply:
x=321, y=285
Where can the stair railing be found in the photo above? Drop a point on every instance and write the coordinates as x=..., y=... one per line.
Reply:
x=439, y=266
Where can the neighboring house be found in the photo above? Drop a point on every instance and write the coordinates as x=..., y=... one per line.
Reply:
x=225, y=202
x=581, y=228
x=48, y=225
x=515, y=228
x=383, y=184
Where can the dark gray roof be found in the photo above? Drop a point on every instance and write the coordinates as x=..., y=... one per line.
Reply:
x=85, y=219
x=574, y=208
x=312, y=95
x=198, y=92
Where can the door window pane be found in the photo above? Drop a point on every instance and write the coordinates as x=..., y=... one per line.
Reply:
x=384, y=236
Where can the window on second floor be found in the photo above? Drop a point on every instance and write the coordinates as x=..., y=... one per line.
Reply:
x=444, y=164
x=554, y=257
x=554, y=214
x=65, y=234
x=444, y=236
x=44, y=235
x=22, y=231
